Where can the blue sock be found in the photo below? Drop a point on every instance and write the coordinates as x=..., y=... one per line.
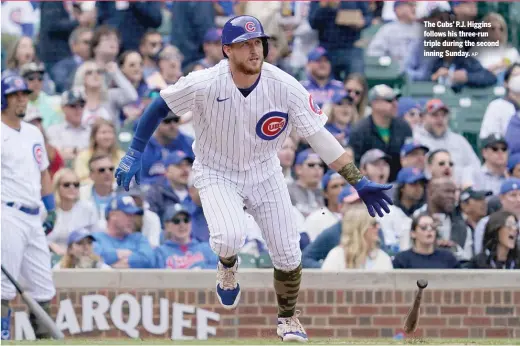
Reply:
x=6, y=326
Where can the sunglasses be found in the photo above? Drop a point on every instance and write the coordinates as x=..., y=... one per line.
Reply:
x=502, y=149
x=312, y=165
x=390, y=100
x=444, y=163
x=104, y=169
x=98, y=71
x=170, y=120
x=355, y=92
x=177, y=221
x=77, y=106
x=33, y=78
x=426, y=227
x=335, y=186
x=69, y=184
x=414, y=113
x=512, y=225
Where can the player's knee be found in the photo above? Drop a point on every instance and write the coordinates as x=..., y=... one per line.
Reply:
x=227, y=245
x=287, y=261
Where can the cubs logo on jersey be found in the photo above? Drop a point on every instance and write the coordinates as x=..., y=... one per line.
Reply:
x=314, y=106
x=38, y=153
x=271, y=125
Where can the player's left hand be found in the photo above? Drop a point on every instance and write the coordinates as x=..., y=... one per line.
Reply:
x=50, y=221
x=374, y=196
x=129, y=167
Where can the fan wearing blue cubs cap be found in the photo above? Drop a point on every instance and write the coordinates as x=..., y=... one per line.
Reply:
x=243, y=109
x=80, y=253
x=413, y=154
x=26, y=183
x=513, y=165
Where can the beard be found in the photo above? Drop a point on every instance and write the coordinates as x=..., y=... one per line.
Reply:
x=248, y=70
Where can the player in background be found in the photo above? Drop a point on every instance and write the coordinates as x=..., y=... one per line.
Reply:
x=243, y=110
x=25, y=181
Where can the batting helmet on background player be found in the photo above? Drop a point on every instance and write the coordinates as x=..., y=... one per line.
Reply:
x=10, y=85
x=243, y=28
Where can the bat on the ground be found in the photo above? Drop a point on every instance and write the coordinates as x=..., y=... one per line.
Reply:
x=412, y=319
x=36, y=309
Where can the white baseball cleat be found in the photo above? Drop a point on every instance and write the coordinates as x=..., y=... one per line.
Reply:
x=290, y=329
x=228, y=289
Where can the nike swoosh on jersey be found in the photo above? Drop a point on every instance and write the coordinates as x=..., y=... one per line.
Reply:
x=221, y=100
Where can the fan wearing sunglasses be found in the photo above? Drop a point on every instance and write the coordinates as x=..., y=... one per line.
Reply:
x=33, y=73
x=180, y=250
x=494, y=170
x=71, y=212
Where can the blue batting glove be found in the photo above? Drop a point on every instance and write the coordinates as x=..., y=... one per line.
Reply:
x=129, y=167
x=374, y=196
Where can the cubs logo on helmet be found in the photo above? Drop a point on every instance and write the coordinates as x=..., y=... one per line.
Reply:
x=271, y=125
x=314, y=106
x=250, y=27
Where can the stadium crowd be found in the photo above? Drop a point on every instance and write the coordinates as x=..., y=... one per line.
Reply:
x=93, y=67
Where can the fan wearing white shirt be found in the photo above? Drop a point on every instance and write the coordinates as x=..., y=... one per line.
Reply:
x=359, y=244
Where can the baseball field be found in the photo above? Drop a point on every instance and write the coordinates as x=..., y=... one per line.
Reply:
x=380, y=342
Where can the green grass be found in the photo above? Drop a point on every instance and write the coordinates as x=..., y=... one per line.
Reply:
x=417, y=341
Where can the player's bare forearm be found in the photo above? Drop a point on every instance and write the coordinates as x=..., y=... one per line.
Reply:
x=46, y=183
x=347, y=169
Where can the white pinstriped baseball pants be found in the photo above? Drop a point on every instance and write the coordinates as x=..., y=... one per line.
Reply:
x=268, y=201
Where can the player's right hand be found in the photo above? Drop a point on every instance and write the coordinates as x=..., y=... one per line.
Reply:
x=129, y=167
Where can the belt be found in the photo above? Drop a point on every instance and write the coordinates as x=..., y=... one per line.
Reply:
x=27, y=210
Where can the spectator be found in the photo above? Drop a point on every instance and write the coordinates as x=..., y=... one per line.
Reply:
x=440, y=165
x=102, y=101
x=500, y=111
x=381, y=130
x=436, y=134
x=33, y=74
x=511, y=136
x=166, y=139
x=22, y=52
x=102, y=142
x=357, y=87
x=190, y=22
x=173, y=187
x=341, y=117
x=306, y=194
x=497, y=59
x=105, y=46
x=150, y=46
x=359, y=245
x=339, y=25
x=148, y=223
x=277, y=53
x=474, y=206
x=131, y=64
x=320, y=82
x=180, y=250
x=453, y=232
x=410, y=110
x=33, y=116
x=409, y=192
x=424, y=254
x=513, y=165
x=458, y=72
x=58, y=20
x=413, y=154
x=286, y=156
x=80, y=254
x=193, y=205
x=139, y=16
x=71, y=212
x=70, y=137
x=375, y=165
x=63, y=71
x=119, y=246
x=329, y=215
x=212, y=47
x=510, y=202
x=500, y=243
x=101, y=190
x=394, y=39
x=170, y=62
x=494, y=170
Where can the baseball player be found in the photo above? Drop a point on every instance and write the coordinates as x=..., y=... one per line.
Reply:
x=243, y=110
x=25, y=181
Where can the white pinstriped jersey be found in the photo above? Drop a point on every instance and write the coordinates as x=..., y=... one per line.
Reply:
x=23, y=159
x=234, y=133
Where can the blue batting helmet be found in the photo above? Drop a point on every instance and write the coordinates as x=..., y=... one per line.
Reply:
x=243, y=28
x=10, y=85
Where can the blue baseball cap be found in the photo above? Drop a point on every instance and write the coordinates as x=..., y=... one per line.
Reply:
x=456, y=3
x=213, y=35
x=304, y=155
x=410, y=175
x=406, y=104
x=410, y=146
x=174, y=210
x=512, y=162
x=317, y=53
x=339, y=96
x=327, y=177
x=510, y=184
x=123, y=203
x=78, y=235
x=350, y=192
x=176, y=157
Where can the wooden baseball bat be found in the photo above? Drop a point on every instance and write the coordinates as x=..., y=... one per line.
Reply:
x=36, y=309
x=412, y=319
